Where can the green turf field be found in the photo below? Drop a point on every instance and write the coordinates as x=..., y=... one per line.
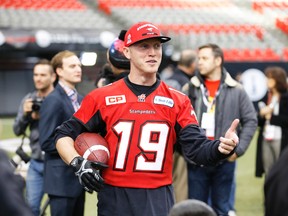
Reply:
x=249, y=192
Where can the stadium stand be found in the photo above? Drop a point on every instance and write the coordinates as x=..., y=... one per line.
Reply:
x=252, y=33
x=247, y=30
x=40, y=4
x=57, y=14
x=59, y=19
x=285, y=54
x=277, y=10
x=237, y=26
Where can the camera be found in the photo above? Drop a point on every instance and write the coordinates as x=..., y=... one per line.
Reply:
x=20, y=156
x=36, y=104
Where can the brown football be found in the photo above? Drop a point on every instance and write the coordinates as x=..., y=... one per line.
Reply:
x=93, y=147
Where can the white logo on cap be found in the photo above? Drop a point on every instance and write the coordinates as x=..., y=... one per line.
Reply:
x=146, y=25
x=129, y=39
x=150, y=29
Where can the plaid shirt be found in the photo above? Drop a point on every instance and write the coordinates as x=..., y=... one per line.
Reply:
x=72, y=94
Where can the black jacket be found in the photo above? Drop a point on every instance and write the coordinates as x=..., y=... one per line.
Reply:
x=276, y=187
x=278, y=120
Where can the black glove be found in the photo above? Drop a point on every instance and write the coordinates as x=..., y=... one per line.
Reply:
x=88, y=173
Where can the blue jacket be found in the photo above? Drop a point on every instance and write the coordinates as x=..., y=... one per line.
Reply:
x=59, y=178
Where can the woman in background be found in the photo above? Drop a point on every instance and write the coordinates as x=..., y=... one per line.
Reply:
x=272, y=120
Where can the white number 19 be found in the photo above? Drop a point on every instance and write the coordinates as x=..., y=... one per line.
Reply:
x=152, y=140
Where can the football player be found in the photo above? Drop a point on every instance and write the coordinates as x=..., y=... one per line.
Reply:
x=141, y=118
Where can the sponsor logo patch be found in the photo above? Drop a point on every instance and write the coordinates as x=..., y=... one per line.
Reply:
x=117, y=99
x=163, y=101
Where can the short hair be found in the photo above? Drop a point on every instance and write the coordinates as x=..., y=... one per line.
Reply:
x=191, y=207
x=280, y=77
x=57, y=60
x=45, y=62
x=217, y=51
x=187, y=57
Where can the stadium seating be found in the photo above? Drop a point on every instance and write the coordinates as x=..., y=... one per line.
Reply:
x=43, y=4
x=238, y=29
x=282, y=24
x=52, y=14
x=285, y=54
x=56, y=19
x=163, y=3
x=261, y=5
x=246, y=29
x=277, y=9
x=256, y=54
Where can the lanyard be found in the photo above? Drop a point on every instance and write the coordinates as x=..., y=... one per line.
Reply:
x=205, y=96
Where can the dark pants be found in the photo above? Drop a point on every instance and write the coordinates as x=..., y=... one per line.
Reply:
x=118, y=201
x=67, y=206
x=215, y=180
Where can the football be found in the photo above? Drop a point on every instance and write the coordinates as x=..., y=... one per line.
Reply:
x=93, y=147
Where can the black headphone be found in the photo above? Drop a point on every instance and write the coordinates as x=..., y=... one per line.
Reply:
x=115, y=52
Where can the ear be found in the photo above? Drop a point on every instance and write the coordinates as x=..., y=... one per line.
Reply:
x=193, y=65
x=126, y=52
x=59, y=72
x=218, y=61
x=53, y=78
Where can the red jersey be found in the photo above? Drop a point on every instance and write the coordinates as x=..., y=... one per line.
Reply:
x=140, y=130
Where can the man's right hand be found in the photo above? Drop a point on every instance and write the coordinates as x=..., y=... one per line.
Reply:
x=27, y=109
x=88, y=173
x=27, y=106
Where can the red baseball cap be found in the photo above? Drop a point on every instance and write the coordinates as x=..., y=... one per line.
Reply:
x=142, y=31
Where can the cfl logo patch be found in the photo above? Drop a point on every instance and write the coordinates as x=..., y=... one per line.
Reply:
x=117, y=99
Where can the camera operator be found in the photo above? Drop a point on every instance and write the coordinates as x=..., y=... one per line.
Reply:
x=28, y=116
x=118, y=65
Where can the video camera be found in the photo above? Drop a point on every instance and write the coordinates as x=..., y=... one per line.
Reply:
x=36, y=104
